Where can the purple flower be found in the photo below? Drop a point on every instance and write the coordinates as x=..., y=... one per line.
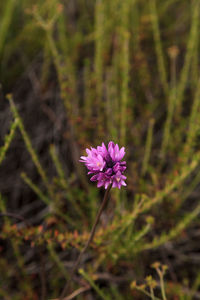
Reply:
x=106, y=165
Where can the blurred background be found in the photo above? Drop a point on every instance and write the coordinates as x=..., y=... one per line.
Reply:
x=74, y=74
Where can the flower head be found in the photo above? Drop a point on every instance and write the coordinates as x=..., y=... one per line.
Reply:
x=105, y=164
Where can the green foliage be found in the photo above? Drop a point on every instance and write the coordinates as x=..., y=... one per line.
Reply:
x=126, y=71
x=8, y=140
x=7, y=12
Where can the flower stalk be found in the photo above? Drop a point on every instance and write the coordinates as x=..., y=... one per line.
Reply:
x=92, y=233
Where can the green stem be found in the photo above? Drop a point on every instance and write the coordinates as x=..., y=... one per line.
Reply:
x=162, y=287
